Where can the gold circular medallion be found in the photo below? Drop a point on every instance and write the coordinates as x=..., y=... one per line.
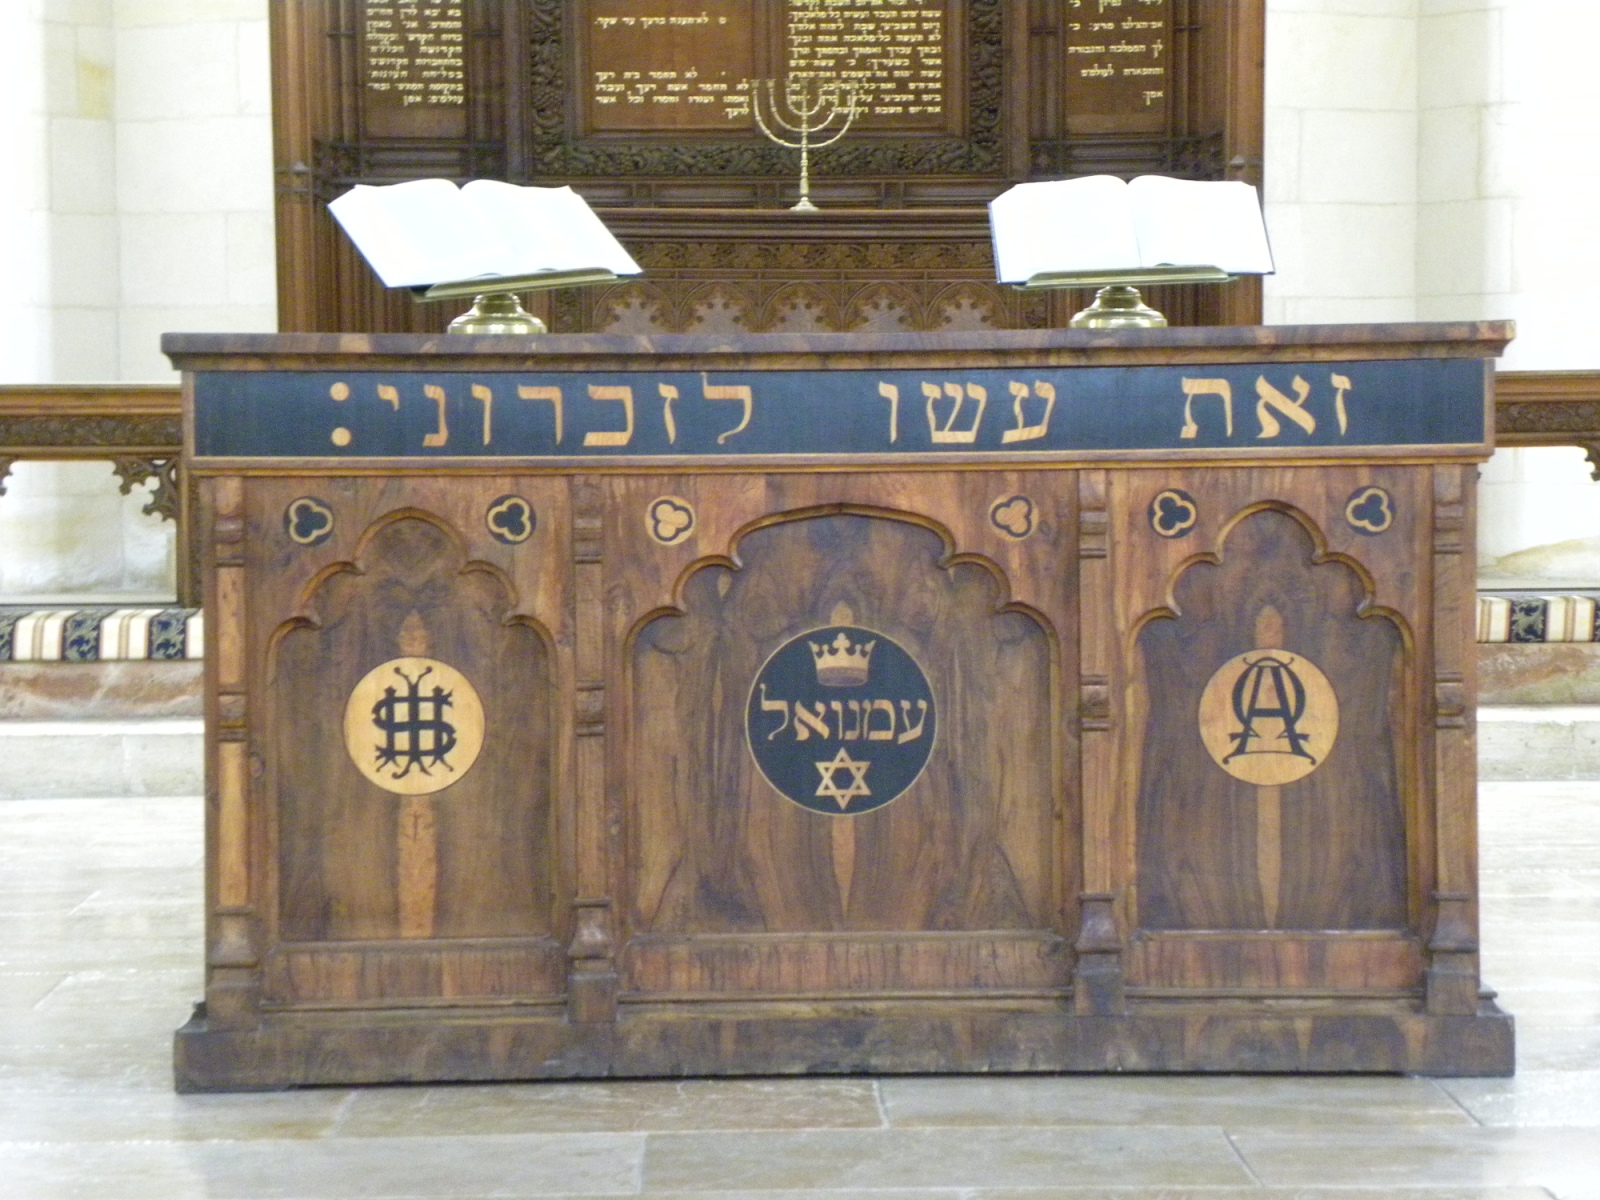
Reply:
x=413, y=726
x=1269, y=717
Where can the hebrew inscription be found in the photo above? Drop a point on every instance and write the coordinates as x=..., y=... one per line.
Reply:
x=416, y=54
x=669, y=65
x=890, y=53
x=1118, y=54
x=1043, y=410
x=684, y=65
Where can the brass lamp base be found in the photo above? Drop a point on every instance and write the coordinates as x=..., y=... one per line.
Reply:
x=1118, y=307
x=497, y=313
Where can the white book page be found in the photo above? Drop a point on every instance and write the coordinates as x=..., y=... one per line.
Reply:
x=1190, y=223
x=415, y=234
x=545, y=229
x=1063, y=225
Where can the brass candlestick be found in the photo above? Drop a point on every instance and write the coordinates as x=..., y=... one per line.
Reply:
x=806, y=101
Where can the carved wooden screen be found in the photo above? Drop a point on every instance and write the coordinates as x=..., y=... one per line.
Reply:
x=642, y=106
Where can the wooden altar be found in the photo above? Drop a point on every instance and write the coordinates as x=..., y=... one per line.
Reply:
x=597, y=705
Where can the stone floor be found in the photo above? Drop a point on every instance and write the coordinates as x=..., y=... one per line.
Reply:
x=99, y=961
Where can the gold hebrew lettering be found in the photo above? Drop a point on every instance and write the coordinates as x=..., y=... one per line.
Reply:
x=1272, y=398
x=479, y=392
x=1341, y=387
x=913, y=732
x=880, y=735
x=1206, y=387
x=777, y=706
x=391, y=394
x=612, y=437
x=552, y=394
x=804, y=718
x=668, y=395
x=740, y=392
x=440, y=436
x=1025, y=432
x=849, y=735
x=892, y=394
x=949, y=435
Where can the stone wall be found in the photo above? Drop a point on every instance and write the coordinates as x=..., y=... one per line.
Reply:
x=139, y=140
x=1430, y=160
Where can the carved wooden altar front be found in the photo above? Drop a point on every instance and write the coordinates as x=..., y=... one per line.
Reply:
x=598, y=705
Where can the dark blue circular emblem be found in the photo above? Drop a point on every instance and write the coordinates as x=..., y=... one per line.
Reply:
x=841, y=720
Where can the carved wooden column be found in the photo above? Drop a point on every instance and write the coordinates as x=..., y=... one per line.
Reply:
x=233, y=983
x=592, y=977
x=1098, y=988
x=1453, y=946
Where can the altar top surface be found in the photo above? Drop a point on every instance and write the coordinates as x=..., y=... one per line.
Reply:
x=1052, y=347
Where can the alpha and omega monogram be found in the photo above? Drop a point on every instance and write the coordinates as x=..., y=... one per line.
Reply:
x=1269, y=717
x=413, y=726
x=841, y=720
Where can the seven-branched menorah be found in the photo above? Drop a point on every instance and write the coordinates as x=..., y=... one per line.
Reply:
x=806, y=100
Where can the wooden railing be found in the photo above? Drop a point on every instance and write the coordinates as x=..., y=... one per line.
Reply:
x=139, y=428
x=1549, y=408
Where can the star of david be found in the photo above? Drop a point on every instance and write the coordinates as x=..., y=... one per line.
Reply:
x=858, y=779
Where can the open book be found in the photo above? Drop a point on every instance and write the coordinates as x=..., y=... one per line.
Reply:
x=431, y=232
x=1101, y=226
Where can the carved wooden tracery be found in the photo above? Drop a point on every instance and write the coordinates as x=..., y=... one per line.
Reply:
x=1020, y=109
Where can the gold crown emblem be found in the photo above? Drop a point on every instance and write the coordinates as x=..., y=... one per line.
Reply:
x=842, y=663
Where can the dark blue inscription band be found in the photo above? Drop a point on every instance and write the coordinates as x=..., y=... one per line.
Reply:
x=736, y=414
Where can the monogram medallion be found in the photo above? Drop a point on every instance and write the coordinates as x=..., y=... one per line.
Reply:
x=413, y=726
x=1269, y=717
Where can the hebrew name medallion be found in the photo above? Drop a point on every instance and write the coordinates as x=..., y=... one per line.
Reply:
x=413, y=726
x=841, y=720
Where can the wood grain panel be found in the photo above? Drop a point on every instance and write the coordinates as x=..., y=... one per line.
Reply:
x=1318, y=963
x=970, y=845
x=409, y=570
x=457, y=972
x=339, y=832
x=705, y=966
x=942, y=856
x=1343, y=847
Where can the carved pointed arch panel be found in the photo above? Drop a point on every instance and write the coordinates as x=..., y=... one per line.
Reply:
x=404, y=659
x=731, y=846
x=1271, y=773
